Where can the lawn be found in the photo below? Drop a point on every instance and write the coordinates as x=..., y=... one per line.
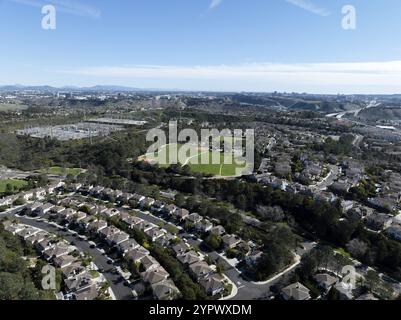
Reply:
x=18, y=184
x=201, y=161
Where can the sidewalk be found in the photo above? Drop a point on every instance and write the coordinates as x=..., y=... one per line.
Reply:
x=297, y=262
x=234, y=290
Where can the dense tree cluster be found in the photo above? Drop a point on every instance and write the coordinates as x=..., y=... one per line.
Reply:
x=17, y=281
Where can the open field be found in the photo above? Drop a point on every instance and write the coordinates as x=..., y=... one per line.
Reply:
x=199, y=160
x=18, y=184
x=12, y=107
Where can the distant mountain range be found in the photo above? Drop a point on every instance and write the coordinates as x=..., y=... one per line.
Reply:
x=98, y=88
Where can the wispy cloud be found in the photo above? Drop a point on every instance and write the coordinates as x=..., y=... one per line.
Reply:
x=66, y=6
x=254, y=70
x=215, y=3
x=336, y=77
x=310, y=6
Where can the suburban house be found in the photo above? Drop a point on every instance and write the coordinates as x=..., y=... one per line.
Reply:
x=56, y=251
x=200, y=270
x=213, y=284
x=180, y=248
x=295, y=291
x=218, y=230
x=27, y=232
x=379, y=221
x=108, y=232
x=137, y=254
x=155, y=275
x=394, y=232
x=73, y=269
x=27, y=195
x=67, y=214
x=40, y=193
x=230, y=241
x=170, y=209
x=56, y=210
x=12, y=227
x=95, y=191
x=146, y=203
x=156, y=206
x=109, y=213
x=64, y=261
x=149, y=263
x=97, y=225
x=44, y=244
x=137, y=198
x=155, y=233
x=181, y=214
x=345, y=293
x=132, y=221
x=325, y=281
x=145, y=226
x=128, y=245
x=189, y=258
x=100, y=209
x=194, y=218
x=89, y=293
x=203, y=226
x=118, y=238
x=165, y=290
x=77, y=217
x=46, y=207
x=35, y=238
x=79, y=283
x=125, y=197
x=85, y=222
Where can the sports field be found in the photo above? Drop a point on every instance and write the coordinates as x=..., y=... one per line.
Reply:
x=199, y=159
x=18, y=184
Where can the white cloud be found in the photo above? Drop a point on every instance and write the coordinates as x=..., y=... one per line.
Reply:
x=309, y=6
x=313, y=77
x=215, y=3
x=66, y=6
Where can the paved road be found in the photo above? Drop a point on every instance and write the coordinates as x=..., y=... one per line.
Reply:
x=247, y=290
x=121, y=291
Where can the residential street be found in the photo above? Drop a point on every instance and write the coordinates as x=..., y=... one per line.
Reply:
x=246, y=289
x=121, y=291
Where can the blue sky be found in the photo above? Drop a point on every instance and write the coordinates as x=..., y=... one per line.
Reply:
x=230, y=45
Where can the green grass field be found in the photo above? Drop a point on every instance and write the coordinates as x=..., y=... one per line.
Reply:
x=62, y=171
x=13, y=182
x=200, y=160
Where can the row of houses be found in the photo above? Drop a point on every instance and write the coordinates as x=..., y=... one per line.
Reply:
x=39, y=194
x=177, y=215
x=79, y=282
x=212, y=282
x=151, y=272
x=324, y=281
